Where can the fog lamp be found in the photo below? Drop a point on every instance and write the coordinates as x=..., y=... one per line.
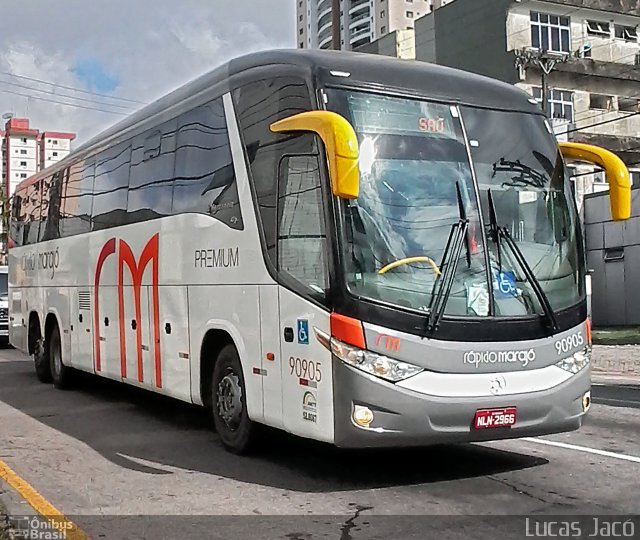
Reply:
x=362, y=416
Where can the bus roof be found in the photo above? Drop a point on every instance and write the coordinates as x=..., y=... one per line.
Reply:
x=374, y=71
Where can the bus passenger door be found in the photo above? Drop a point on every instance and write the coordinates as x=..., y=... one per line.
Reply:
x=307, y=390
x=302, y=254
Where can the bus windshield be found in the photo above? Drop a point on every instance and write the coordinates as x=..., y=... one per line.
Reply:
x=424, y=168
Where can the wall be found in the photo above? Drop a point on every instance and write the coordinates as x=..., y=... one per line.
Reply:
x=612, y=305
x=471, y=35
x=426, y=39
x=603, y=49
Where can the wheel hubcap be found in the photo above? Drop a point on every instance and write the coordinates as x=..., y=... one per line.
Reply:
x=230, y=400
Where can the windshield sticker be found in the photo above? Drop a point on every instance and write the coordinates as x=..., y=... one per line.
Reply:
x=478, y=299
x=505, y=284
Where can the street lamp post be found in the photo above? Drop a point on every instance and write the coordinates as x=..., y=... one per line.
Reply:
x=546, y=61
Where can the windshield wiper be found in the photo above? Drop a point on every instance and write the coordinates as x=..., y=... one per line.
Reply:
x=449, y=265
x=500, y=233
x=493, y=228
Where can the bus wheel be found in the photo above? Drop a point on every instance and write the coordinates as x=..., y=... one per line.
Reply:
x=41, y=362
x=60, y=374
x=229, y=402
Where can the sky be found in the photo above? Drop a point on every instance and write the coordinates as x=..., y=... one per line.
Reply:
x=129, y=52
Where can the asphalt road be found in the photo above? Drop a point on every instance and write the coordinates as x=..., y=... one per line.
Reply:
x=124, y=463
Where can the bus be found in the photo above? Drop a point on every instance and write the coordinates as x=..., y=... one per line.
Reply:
x=351, y=248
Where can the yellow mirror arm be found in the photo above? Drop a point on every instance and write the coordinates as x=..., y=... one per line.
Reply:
x=616, y=172
x=340, y=142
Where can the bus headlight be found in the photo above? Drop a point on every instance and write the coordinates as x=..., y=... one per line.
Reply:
x=373, y=363
x=576, y=361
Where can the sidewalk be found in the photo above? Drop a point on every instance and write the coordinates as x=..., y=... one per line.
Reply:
x=616, y=361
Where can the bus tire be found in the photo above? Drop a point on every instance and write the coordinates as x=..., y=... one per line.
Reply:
x=41, y=362
x=60, y=373
x=229, y=404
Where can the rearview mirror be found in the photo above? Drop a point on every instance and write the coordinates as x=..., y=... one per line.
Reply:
x=340, y=142
x=616, y=172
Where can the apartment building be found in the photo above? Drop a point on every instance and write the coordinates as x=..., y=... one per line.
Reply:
x=26, y=151
x=589, y=47
x=349, y=24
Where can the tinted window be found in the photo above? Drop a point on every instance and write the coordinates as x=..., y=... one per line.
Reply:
x=258, y=105
x=301, y=232
x=16, y=222
x=31, y=213
x=77, y=196
x=51, y=199
x=151, y=181
x=204, y=175
x=111, y=184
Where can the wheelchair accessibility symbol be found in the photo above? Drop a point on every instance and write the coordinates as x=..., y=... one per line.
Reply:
x=303, y=331
x=505, y=284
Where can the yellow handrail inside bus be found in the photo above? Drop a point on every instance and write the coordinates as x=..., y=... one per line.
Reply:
x=340, y=142
x=616, y=172
x=410, y=260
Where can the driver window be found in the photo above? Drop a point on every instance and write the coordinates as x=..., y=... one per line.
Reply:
x=302, y=241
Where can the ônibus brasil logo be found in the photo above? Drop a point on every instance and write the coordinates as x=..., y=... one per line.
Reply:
x=498, y=357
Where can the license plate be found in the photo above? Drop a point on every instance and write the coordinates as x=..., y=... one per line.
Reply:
x=494, y=418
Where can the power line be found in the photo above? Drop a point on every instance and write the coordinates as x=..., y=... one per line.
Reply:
x=87, y=100
x=57, y=102
x=598, y=124
x=32, y=79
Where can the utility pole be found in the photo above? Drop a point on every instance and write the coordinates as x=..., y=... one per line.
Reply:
x=546, y=61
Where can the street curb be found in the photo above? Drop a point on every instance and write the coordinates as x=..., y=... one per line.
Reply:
x=601, y=377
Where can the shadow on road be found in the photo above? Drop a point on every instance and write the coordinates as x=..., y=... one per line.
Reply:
x=126, y=424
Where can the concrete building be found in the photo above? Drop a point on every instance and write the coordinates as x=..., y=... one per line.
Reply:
x=593, y=88
x=26, y=151
x=400, y=43
x=349, y=24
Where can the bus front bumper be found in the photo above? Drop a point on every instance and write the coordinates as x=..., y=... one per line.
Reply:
x=403, y=417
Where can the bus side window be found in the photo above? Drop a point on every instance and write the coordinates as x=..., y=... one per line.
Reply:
x=258, y=105
x=77, y=197
x=32, y=205
x=152, y=166
x=111, y=187
x=51, y=199
x=302, y=238
x=16, y=221
x=205, y=180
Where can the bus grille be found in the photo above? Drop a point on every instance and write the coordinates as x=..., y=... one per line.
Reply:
x=4, y=313
x=84, y=300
